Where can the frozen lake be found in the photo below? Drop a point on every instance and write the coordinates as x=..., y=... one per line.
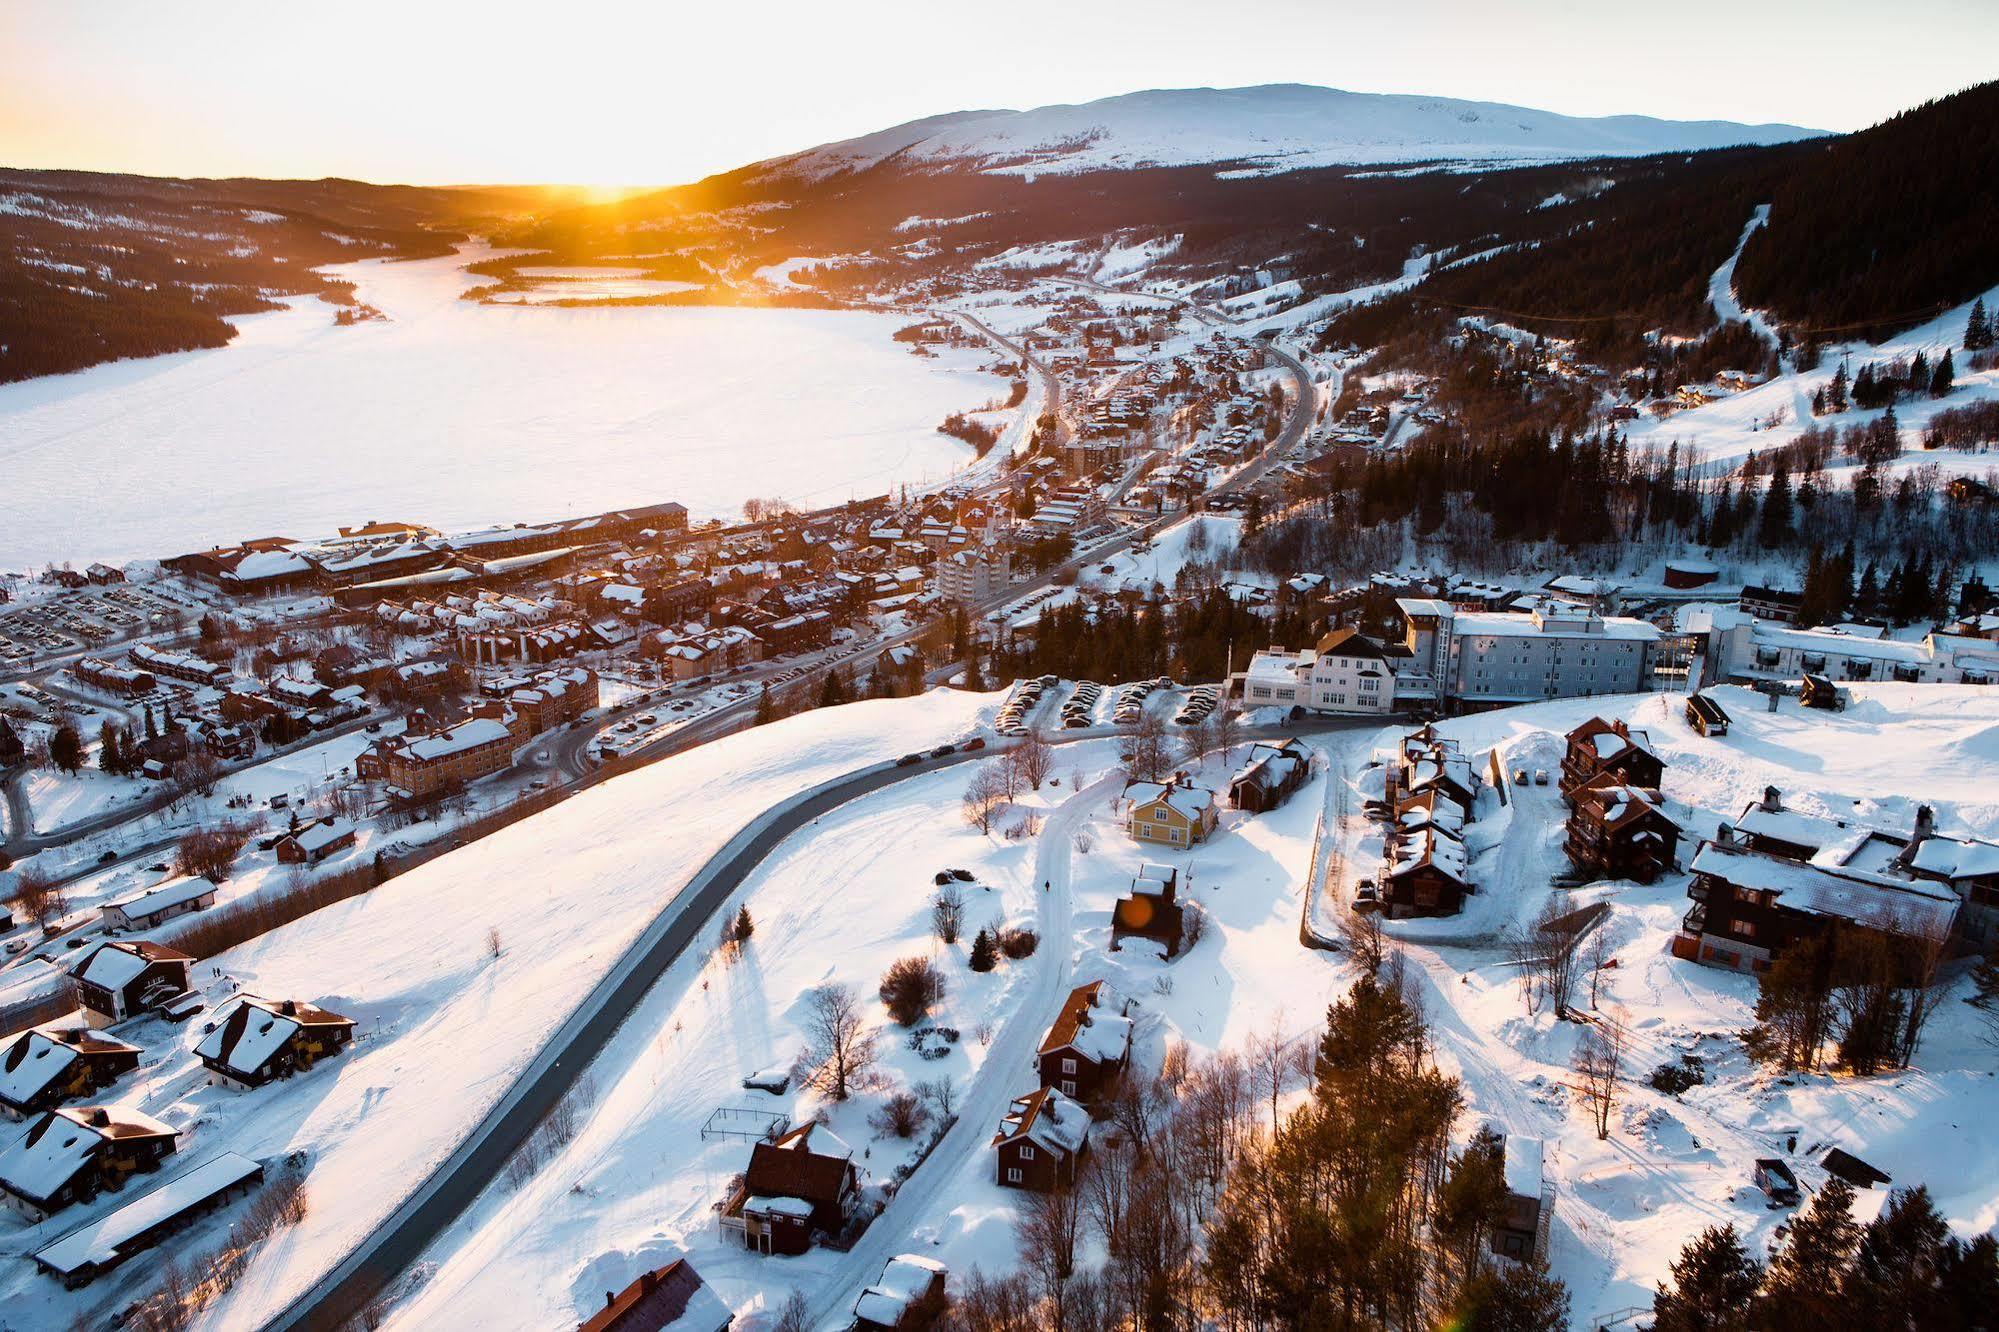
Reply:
x=456, y=414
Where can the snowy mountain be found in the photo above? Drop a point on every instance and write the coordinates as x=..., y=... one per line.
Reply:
x=1279, y=127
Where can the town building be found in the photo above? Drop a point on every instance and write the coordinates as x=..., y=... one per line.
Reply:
x=177, y=896
x=91, y=1250
x=180, y=666
x=1749, y=905
x=1618, y=830
x=1151, y=910
x=803, y=1182
x=1478, y=659
x=909, y=1297
x=672, y=1298
x=972, y=577
x=1738, y=648
x=314, y=841
x=1423, y=873
x=43, y=1067
x=113, y=678
x=1041, y=1142
x=1269, y=776
x=1598, y=746
x=1706, y=716
x=1522, y=1232
x=1088, y=1045
x=72, y=1154
x=117, y=980
x=1176, y=813
x=258, y=1040
x=420, y=766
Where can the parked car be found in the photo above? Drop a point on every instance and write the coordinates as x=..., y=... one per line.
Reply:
x=942, y=750
x=977, y=742
x=908, y=759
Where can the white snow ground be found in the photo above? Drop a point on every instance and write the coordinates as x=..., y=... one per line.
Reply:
x=458, y=414
x=638, y=1183
x=443, y=1026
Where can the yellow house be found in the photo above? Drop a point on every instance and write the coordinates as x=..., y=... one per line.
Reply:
x=1168, y=813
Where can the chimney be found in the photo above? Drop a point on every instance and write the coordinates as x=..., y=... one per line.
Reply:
x=610, y=1298
x=1773, y=800
x=1926, y=822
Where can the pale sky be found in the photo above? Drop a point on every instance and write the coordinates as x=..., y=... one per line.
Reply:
x=588, y=91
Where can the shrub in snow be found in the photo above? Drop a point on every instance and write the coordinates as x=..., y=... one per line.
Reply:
x=909, y=987
x=901, y=1116
x=1019, y=943
x=1676, y=1078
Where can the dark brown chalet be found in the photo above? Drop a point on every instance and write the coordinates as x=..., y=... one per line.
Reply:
x=41, y=1069
x=119, y=980
x=803, y=1182
x=1620, y=831
x=1750, y=905
x=1598, y=746
x=73, y=1154
x=1041, y=1142
x=672, y=1297
x=1151, y=910
x=1089, y=1044
x=1423, y=873
x=262, y=1040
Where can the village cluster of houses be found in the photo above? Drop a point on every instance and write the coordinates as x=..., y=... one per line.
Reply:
x=1430, y=793
x=422, y=762
x=77, y=1149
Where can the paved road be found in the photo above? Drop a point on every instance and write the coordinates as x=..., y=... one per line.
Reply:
x=401, y=1239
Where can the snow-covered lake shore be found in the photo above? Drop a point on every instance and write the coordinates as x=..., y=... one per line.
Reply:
x=456, y=414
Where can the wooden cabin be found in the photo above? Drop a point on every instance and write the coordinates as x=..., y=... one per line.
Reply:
x=42, y=1068
x=256, y=1041
x=1041, y=1142
x=1620, y=831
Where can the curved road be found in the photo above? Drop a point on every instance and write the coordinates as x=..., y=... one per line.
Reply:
x=402, y=1238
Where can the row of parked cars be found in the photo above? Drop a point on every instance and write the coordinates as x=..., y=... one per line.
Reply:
x=1131, y=700
x=1076, y=712
x=1199, y=703
x=1012, y=719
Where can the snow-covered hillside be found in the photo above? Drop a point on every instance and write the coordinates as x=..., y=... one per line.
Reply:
x=1276, y=127
x=444, y=1025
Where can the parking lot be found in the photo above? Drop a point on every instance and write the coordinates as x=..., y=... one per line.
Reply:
x=90, y=617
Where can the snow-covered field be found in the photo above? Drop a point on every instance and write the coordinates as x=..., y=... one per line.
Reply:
x=456, y=414
x=444, y=1026
x=836, y=904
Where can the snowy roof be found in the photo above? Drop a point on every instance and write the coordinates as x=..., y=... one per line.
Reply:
x=165, y=897
x=1428, y=845
x=1190, y=802
x=51, y=1152
x=1154, y=880
x=99, y=1242
x=37, y=1058
x=907, y=1279
x=798, y=1207
x=1049, y=1118
x=1822, y=890
x=323, y=834
x=1523, y=1166
x=1790, y=825
x=464, y=736
x=254, y=1029
x=116, y=965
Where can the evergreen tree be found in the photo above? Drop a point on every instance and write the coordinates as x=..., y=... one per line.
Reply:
x=1943, y=376
x=830, y=693
x=1801, y=1292
x=1898, y=1269
x=1713, y=1287
x=66, y=748
x=1775, y=529
x=744, y=926
x=984, y=955
x=1836, y=399
x=1977, y=329
x=766, y=707
x=1515, y=1297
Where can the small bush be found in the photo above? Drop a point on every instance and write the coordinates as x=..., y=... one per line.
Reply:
x=1673, y=1079
x=909, y=987
x=1019, y=943
x=903, y=1115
